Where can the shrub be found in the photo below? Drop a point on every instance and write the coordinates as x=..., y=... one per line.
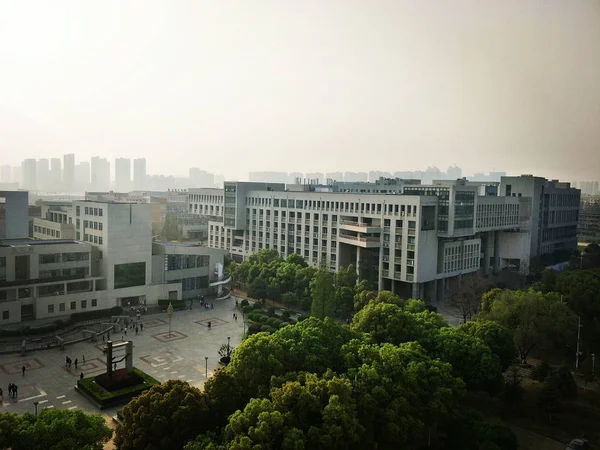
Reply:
x=283, y=324
x=120, y=380
x=271, y=312
x=292, y=321
x=244, y=303
x=247, y=309
x=285, y=316
x=106, y=398
x=271, y=330
x=271, y=321
x=263, y=319
x=266, y=328
x=257, y=305
x=541, y=372
x=276, y=323
x=253, y=328
x=303, y=317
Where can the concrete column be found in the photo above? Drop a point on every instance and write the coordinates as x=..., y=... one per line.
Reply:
x=129, y=358
x=496, y=252
x=416, y=290
x=358, y=261
x=486, y=252
x=432, y=288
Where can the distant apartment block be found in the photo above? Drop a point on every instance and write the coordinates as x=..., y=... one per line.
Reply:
x=589, y=219
x=139, y=174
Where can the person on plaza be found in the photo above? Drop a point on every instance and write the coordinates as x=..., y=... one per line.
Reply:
x=141, y=327
x=125, y=331
x=66, y=361
x=15, y=390
x=76, y=363
x=81, y=376
x=10, y=390
x=212, y=306
x=23, y=370
x=137, y=330
x=83, y=358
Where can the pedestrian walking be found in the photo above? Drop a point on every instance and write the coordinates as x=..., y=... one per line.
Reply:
x=76, y=363
x=23, y=370
x=141, y=327
x=83, y=358
x=137, y=330
x=212, y=306
x=9, y=390
x=66, y=361
x=125, y=331
x=81, y=376
x=15, y=390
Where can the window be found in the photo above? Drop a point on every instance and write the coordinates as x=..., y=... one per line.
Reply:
x=100, y=240
x=85, y=224
x=61, y=307
x=77, y=211
x=100, y=225
x=73, y=306
x=87, y=210
x=5, y=315
x=94, y=301
x=50, y=309
x=100, y=213
x=131, y=274
x=83, y=304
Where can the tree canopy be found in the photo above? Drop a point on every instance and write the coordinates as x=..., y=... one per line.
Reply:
x=53, y=429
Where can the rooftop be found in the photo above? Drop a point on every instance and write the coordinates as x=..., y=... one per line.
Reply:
x=29, y=241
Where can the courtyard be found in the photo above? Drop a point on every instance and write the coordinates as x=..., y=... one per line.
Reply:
x=179, y=355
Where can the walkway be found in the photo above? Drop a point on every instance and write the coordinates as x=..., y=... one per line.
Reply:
x=180, y=355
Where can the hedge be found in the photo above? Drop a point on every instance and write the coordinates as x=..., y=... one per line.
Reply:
x=244, y=303
x=105, y=398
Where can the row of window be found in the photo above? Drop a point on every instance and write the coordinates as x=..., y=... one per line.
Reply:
x=91, y=238
x=72, y=306
x=46, y=231
x=179, y=262
x=52, y=258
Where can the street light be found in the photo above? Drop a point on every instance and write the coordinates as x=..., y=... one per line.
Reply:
x=593, y=364
x=228, y=339
x=36, y=407
x=170, y=315
x=206, y=366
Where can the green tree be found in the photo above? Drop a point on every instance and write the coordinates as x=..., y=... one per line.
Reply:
x=471, y=359
x=258, y=289
x=346, y=276
x=312, y=413
x=343, y=301
x=289, y=299
x=53, y=430
x=401, y=392
x=164, y=417
x=296, y=259
x=537, y=320
x=466, y=298
x=322, y=292
x=363, y=296
x=497, y=337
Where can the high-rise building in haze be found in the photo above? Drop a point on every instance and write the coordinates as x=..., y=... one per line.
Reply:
x=43, y=174
x=201, y=178
x=82, y=176
x=5, y=174
x=122, y=174
x=29, y=174
x=139, y=173
x=69, y=172
x=100, y=174
x=55, y=174
x=454, y=173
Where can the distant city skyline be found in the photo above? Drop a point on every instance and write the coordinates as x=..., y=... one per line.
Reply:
x=237, y=86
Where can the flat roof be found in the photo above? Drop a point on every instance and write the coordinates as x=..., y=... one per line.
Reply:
x=29, y=241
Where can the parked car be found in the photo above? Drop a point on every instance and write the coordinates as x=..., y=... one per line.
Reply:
x=578, y=444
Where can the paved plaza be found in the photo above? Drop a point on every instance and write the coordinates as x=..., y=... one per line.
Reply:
x=180, y=355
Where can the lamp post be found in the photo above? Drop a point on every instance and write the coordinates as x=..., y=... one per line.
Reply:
x=170, y=315
x=244, y=320
x=206, y=367
x=36, y=407
x=228, y=339
x=593, y=364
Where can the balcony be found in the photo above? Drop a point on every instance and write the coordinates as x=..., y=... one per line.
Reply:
x=385, y=273
x=359, y=227
x=411, y=231
x=398, y=245
x=315, y=248
x=410, y=262
x=386, y=229
x=316, y=223
x=397, y=260
x=397, y=275
x=410, y=278
x=410, y=246
x=386, y=258
x=360, y=241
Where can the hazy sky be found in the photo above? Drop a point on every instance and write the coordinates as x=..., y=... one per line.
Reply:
x=311, y=85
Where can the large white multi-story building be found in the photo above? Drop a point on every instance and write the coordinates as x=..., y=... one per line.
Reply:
x=110, y=260
x=406, y=237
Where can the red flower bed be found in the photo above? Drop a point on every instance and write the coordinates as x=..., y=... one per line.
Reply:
x=120, y=379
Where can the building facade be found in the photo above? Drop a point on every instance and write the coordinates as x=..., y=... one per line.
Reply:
x=410, y=238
